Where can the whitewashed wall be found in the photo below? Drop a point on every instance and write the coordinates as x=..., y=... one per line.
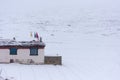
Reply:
x=4, y=55
x=23, y=55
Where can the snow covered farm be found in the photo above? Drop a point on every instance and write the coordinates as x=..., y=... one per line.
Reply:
x=26, y=52
x=86, y=33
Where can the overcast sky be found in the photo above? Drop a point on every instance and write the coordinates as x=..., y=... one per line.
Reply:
x=21, y=6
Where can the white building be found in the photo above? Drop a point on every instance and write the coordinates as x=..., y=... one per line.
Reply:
x=25, y=52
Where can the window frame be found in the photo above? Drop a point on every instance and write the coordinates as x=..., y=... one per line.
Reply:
x=33, y=51
x=14, y=51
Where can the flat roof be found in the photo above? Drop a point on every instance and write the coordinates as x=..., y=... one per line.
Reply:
x=6, y=43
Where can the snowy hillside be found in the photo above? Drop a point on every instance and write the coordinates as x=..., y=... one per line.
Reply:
x=85, y=33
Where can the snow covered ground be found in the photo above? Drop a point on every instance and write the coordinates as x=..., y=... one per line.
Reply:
x=85, y=33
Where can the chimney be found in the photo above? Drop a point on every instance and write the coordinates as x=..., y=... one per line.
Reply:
x=40, y=39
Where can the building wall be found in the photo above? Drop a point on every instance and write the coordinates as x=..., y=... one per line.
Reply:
x=23, y=56
x=4, y=56
x=56, y=60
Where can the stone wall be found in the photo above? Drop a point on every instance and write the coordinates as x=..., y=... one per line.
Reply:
x=56, y=60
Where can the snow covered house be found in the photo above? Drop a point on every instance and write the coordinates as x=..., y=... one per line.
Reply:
x=24, y=52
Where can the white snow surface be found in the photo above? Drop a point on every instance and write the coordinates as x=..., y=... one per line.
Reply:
x=86, y=33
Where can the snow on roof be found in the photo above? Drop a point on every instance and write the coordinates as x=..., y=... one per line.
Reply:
x=8, y=42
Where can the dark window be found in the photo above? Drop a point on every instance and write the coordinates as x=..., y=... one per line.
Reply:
x=33, y=51
x=13, y=51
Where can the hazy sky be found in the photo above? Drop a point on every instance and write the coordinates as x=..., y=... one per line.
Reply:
x=21, y=6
